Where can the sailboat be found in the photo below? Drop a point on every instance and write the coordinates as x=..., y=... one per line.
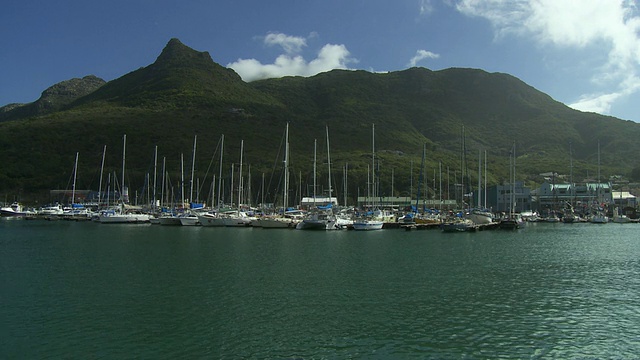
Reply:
x=212, y=218
x=322, y=217
x=460, y=222
x=288, y=219
x=238, y=218
x=121, y=215
x=190, y=217
x=599, y=216
x=372, y=219
x=172, y=218
x=512, y=220
x=76, y=211
x=481, y=215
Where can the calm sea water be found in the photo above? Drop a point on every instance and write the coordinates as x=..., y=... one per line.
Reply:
x=86, y=290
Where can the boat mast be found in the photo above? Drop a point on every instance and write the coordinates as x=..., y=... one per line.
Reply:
x=104, y=151
x=329, y=163
x=346, y=167
x=247, y=195
x=598, y=188
x=75, y=175
x=155, y=175
x=513, y=184
x=285, y=199
x=164, y=161
x=220, y=175
x=485, y=179
x=262, y=192
x=571, y=174
x=231, y=188
x=124, y=151
x=479, y=176
x=440, y=186
x=108, y=187
x=315, y=159
x=373, y=163
x=193, y=167
x=368, y=200
x=240, y=174
x=462, y=166
x=182, y=179
x=424, y=152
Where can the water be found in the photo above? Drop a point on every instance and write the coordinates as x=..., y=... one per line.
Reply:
x=87, y=290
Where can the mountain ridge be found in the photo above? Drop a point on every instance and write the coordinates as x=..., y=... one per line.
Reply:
x=54, y=98
x=185, y=93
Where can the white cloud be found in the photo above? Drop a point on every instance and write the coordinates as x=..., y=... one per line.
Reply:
x=329, y=57
x=612, y=26
x=602, y=102
x=290, y=44
x=421, y=55
x=426, y=7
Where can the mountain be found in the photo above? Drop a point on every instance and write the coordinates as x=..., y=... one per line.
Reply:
x=53, y=99
x=179, y=78
x=185, y=93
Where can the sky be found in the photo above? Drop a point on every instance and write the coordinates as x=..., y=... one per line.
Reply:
x=584, y=53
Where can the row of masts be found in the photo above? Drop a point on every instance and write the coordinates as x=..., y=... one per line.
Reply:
x=372, y=176
x=372, y=183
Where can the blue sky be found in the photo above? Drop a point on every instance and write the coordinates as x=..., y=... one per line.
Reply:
x=584, y=53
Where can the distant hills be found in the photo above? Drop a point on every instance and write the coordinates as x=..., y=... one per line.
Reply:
x=185, y=93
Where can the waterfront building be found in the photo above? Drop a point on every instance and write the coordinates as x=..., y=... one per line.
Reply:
x=499, y=197
x=624, y=199
x=402, y=202
x=558, y=196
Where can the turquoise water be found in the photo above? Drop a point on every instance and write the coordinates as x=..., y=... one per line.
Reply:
x=87, y=290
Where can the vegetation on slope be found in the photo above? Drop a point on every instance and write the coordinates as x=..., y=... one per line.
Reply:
x=184, y=93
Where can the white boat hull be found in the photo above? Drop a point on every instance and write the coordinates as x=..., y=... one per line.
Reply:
x=277, y=223
x=189, y=221
x=210, y=221
x=125, y=219
x=481, y=218
x=237, y=221
x=368, y=225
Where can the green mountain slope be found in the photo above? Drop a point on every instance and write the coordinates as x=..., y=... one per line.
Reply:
x=185, y=93
x=55, y=98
